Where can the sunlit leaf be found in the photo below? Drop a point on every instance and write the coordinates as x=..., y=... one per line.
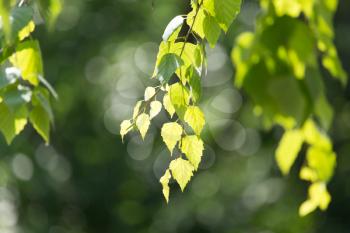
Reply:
x=168, y=105
x=125, y=127
x=156, y=107
x=318, y=197
x=224, y=11
x=179, y=98
x=28, y=59
x=192, y=146
x=182, y=171
x=164, y=180
x=172, y=26
x=136, y=111
x=171, y=133
x=26, y=31
x=288, y=149
x=195, y=118
x=149, y=93
x=143, y=122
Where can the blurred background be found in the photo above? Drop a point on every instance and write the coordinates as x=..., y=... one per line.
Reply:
x=100, y=59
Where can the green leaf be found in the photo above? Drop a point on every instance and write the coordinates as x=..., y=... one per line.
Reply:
x=28, y=60
x=211, y=30
x=224, y=11
x=182, y=171
x=168, y=65
x=288, y=149
x=20, y=19
x=171, y=134
x=143, y=122
x=192, y=146
x=21, y=25
x=12, y=123
x=205, y=26
x=50, y=9
x=195, y=118
x=164, y=180
x=41, y=122
x=194, y=80
x=5, y=6
x=179, y=97
x=41, y=96
x=16, y=96
x=8, y=76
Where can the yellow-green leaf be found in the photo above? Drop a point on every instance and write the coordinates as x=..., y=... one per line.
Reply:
x=136, y=109
x=322, y=161
x=168, y=105
x=318, y=197
x=288, y=149
x=192, y=146
x=204, y=25
x=28, y=60
x=125, y=127
x=195, y=118
x=179, y=98
x=41, y=122
x=308, y=174
x=156, y=106
x=224, y=11
x=149, y=93
x=25, y=32
x=171, y=134
x=11, y=124
x=164, y=180
x=315, y=137
x=143, y=122
x=182, y=171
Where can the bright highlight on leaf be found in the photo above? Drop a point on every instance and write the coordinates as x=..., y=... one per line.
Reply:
x=171, y=134
x=182, y=171
x=143, y=122
x=172, y=26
